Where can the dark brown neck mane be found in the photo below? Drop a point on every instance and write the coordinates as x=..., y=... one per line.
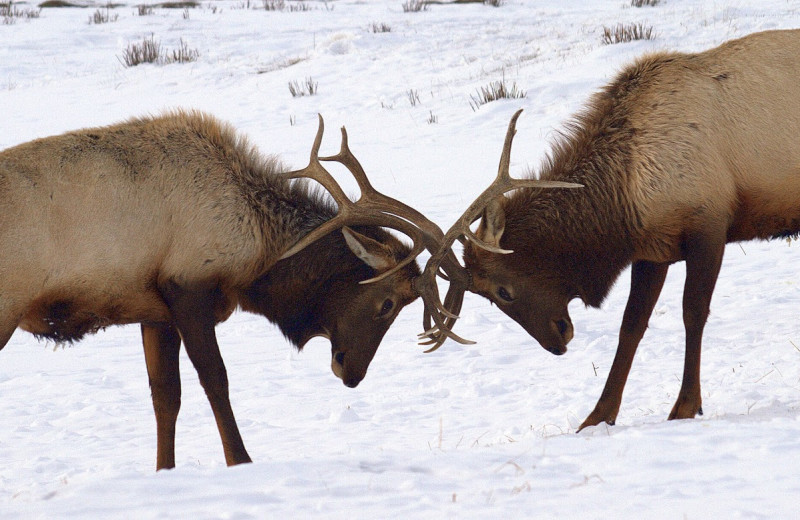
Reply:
x=292, y=293
x=586, y=234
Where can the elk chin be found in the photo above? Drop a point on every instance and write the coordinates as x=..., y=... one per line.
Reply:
x=349, y=376
x=336, y=365
x=555, y=336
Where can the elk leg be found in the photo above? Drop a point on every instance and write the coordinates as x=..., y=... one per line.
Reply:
x=647, y=279
x=161, y=347
x=193, y=312
x=703, y=261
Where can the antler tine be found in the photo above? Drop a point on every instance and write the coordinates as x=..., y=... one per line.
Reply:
x=348, y=159
x=461, y=229
x=437, y=335
x=316, y=171
x=502, y=184
x=372, y=208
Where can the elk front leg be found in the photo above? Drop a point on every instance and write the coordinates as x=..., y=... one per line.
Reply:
x=161, y=347
x=647, y=279
x=703, y=261
x=193, y=312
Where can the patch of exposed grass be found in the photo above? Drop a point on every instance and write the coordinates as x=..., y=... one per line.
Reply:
x=643, y=3
x=415, y=6
x=9, y=13
x=281, y=5
x=309, y=87
x=146, y=51
x=101, y=16
x=182, y=54
x=413, y=97
x=626, y=33
x=376, y=27
x=494, y=91
x=149, y=51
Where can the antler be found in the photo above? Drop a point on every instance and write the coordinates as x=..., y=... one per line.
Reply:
x=377, y=209
x=502, y=184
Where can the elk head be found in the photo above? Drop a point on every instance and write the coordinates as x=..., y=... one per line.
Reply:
x=539, y=304
x=356, y=314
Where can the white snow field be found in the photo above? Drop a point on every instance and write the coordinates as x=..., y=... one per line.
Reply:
x=480, y=431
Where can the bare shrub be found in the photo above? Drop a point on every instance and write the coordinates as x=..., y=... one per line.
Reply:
x=100, y=16
x=9, y=13
x=642, y=3
x=626, y=33
x=307, y=88
x=415, y=6
x=182, y=54
x=432, y=119
x=281, y=5
x=144, y=10
x=494, y=91
x=147, y=51
x=376, y=27
x=494, y=3
x=413, y=97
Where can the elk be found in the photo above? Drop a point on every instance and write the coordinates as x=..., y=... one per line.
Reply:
x=174, y=221
x=679, y=155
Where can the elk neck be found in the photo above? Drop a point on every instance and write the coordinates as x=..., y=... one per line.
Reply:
x=585, y=234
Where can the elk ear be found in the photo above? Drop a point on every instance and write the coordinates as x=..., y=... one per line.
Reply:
x=493, y=222
x=370, y=251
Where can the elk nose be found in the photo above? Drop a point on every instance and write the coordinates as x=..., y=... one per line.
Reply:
x=565, y=329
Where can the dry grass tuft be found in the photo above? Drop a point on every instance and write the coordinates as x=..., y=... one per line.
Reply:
x=149, y=51
x=415, y=6
x=307, y=88
x=494, y=91
x=101, y=16
x=626, y=33
x=376, y=27
x=9, y=13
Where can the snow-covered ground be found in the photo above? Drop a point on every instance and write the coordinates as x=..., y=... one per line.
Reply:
x=482, y=431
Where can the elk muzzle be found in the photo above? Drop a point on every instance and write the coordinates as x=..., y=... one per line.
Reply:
x=350, y=375
x=563, y=329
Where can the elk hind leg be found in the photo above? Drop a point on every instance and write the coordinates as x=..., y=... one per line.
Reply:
x=161, y=348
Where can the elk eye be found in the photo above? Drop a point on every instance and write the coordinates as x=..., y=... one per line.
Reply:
x=388, y=305
x=503, y=293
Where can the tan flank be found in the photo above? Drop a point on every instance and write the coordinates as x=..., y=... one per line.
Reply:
x=679, y=155
x=173, y=222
